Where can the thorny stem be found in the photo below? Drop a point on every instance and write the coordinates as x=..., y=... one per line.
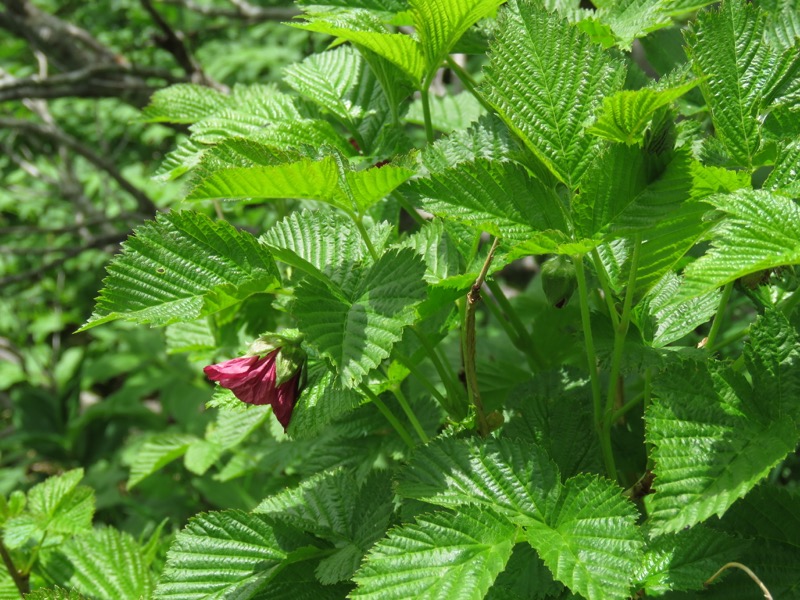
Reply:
x=20, y=580
x=719, y=316
x=591, y=359
x=523, y=337
x=747, y=570
x=470, y=342
x=398, y=427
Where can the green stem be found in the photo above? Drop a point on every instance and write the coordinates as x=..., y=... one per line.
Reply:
x=719, y=316
x=401, y=398
x=398, y=427
x=623, y=410
x=365, y=236
x=418, y=218
x=470, y=343
x=20, y=580
x=523, y=336
x=420, y=376
x=468, y=83
x=444, y=370
x=788, y=305
x=426, y=110
x=605, y=284
x=591, y=359
x=621, y=331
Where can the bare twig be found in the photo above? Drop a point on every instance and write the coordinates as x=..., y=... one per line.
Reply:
x=21, y=581
x=98, y=242
x=95, y=81
x=145, y=204
x=174, y=43
x=240, y=10
x=470, y=342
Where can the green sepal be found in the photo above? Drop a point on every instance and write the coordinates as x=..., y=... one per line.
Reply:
x=558, y=280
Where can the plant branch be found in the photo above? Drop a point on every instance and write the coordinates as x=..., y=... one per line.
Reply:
x=468, y=83
x=605, y=284
x=69, y=253
x=398, y=427
x=594, y=376
x=718, y=317
x=470, y=341
x=524, y=338
x=426, y=108
x=241, y=10
x=20, y=580
x=174, y=43
x=401, y=399
x=144, y=203
x=747, y=570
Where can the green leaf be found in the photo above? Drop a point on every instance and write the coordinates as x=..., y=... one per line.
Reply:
x=183, y=103
x=156, y=453
x=546, y=79
x=783, y=177
x=448, y=113
x=58, y=506
x=442, y=555
x=769, y=517
x=714, y=436
x=228, y=554
x=363, y=29
x=740, y=73
x=180, y=267
x=662, y=319
x=335, y=507
x=759, y=230
x=357, y=327
x=105, y=563
x=322, y=180
x=584, y=530
x=498, y=197
x=441, y=23
x=625, y=115
x=632, y=19
x=685, y=560
x=321, y=402
x=553, y=412
x=327, y=78
x=488, y=139
x=54, y=593
x=321, y=244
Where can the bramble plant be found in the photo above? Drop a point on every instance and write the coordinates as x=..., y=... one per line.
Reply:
x=617, y=428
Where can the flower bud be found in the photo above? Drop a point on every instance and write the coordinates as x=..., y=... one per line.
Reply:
x=558, y=280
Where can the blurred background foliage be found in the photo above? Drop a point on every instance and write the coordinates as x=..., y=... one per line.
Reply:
x=76, y=171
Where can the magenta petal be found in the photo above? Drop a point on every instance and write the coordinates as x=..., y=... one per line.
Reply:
x=252, y=380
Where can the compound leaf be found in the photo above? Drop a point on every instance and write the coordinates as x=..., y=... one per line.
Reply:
x=759, y=230
x=180, y=267
x=442, y=555
x=227, y=554
x=546, y=78
x=584, y=529
x=356, y=328
x=714, y=436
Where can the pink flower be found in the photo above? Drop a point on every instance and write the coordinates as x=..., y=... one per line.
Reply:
x=252, y=380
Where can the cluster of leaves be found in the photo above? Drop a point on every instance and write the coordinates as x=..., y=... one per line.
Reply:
x=593, y=437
